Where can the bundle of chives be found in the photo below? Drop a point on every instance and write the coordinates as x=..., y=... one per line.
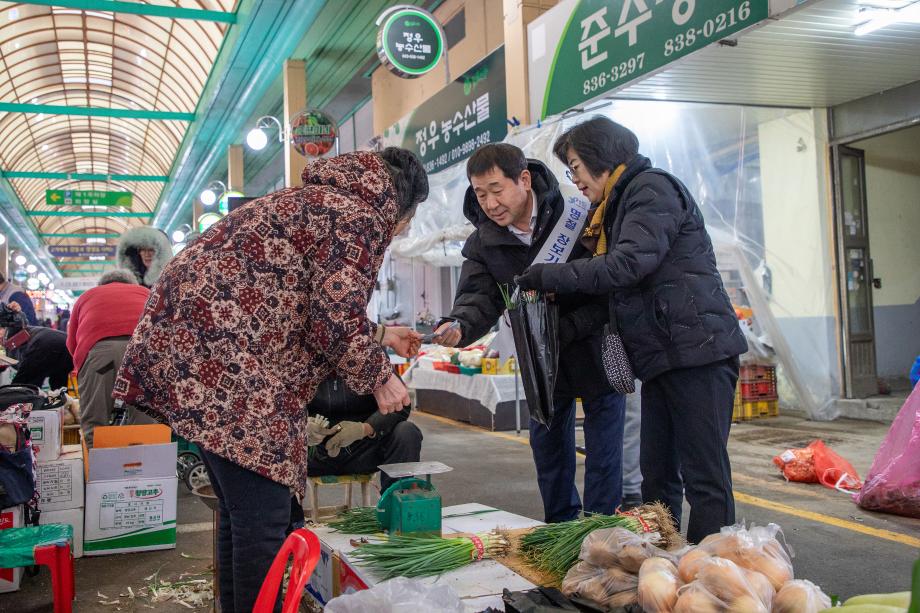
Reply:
x=554, y=548
x=421, y=556
x=358, y=520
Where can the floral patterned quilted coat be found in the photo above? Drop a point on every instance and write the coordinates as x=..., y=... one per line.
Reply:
x=245, y=322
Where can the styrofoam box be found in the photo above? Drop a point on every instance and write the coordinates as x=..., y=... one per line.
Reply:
x=74, y=517
x=60, y=482
x=47, y=430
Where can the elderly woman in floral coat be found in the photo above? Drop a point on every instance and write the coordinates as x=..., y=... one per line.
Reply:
x=246, y=322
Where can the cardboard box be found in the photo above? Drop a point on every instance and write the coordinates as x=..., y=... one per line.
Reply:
x=60, y=482
x=320, y=585
x=74, y=517
x=131, y=490
x=10, y=577
x=47, y=429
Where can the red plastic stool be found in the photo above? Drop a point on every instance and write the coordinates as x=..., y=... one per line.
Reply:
x=47, y=545
x=60, y=562
x=304, y=547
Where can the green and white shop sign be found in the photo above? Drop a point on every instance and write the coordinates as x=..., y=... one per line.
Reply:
x=446, y=129
x=581, y=49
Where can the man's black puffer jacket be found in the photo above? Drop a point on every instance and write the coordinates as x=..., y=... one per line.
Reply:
x=660, y=273
x=493, y=256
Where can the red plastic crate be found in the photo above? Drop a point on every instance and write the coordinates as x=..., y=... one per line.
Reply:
x=758, y=382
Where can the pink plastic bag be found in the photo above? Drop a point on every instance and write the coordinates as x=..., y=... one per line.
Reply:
x=893, y=484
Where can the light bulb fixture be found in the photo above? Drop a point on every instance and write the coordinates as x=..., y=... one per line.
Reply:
x=20, y=260
x=43, y=278
x=181, y=232
x=209, y=196
x=32, y=284
x=257, y=138
x=2, y=239
x=31, y=269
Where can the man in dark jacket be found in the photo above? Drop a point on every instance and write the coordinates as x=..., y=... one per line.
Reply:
x=654, y=260
x=519, y=214
x=363, y=438
x=41, y=352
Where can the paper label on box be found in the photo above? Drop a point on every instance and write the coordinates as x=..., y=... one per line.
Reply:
x=787, y=456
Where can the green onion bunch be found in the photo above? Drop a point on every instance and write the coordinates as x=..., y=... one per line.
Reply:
x=422, y=556
x=554, y=548
x=357, y=520
x=514, y=297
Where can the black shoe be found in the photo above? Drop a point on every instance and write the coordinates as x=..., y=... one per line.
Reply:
x=631, y=501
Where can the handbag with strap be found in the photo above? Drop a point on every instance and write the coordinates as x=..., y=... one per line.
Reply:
x=617, y=366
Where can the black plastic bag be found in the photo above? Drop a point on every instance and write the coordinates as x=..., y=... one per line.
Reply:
x=535, y=326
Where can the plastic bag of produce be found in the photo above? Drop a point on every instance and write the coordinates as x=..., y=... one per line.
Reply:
x=756, y=549
x=695, y=598
x=620, y=547
x=797, y=465
x=800, y=596
x=732, y=584
x=535, y=326
x=601, y=585
x=832, y=470
x=399, y=594
x=658, y=585
x=893, y=483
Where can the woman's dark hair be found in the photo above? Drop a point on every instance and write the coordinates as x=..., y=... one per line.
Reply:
x=409, y=178
x=601, y=143
x=507, y=158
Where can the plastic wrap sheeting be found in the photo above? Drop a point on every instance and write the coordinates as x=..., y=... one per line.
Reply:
x=721, y=153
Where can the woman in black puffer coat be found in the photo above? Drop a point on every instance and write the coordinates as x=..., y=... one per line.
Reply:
x=654, y=259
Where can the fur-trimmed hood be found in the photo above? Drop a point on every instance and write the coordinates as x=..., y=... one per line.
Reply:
x=144, y=237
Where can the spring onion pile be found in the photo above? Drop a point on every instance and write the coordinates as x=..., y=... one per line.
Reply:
x=358, y=520
x=554, y=548
x=422, y=556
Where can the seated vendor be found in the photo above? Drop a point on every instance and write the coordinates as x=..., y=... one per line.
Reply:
x=366, y=438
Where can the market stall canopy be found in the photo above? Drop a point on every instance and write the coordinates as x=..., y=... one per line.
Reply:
x=98, y=100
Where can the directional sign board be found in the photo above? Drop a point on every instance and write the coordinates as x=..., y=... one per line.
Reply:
x=67, y=197
x=81, y=251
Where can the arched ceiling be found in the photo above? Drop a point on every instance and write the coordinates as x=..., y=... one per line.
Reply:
x=100, y=100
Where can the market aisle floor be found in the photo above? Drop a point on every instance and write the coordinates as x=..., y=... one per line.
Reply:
x=839, y=546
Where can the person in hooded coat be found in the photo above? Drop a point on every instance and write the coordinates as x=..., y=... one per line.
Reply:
x=248, y=320
x=145, y=251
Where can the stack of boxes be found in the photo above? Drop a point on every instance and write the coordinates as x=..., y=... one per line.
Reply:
x=119, y=496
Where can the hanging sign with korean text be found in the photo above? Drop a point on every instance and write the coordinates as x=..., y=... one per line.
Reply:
x=409, y=42
x=67, y=197
x=81, y=251
x=449, y=126
x=584, y=48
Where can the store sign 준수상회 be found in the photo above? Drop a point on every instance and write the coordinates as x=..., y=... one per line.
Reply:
x=606, y=44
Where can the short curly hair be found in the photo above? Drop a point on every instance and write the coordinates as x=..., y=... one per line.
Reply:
x=601, y=143
x=118, y=275
x=409, y=178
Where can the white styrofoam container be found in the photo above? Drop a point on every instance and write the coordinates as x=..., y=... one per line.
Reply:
x=74, y=517
x=60, y=482
x=10, y=577
x=47, y=430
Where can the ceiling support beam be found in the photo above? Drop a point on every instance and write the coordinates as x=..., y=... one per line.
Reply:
x=86, y=214
x=95, y=111
x=82, y=176
x=75, y=235
x=153, y=10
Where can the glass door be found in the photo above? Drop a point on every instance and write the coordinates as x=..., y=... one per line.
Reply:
x=856, y=273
